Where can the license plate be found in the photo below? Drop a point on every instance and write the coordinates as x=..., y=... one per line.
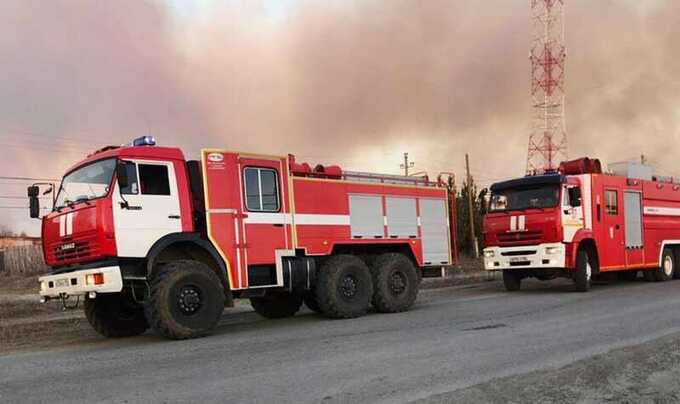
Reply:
x=61, y=283
x=519, y=259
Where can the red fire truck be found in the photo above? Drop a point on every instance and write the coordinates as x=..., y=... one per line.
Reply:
x=578, y=223
x=149, y=239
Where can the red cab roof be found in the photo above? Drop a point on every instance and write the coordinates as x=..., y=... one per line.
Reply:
x=138, y=152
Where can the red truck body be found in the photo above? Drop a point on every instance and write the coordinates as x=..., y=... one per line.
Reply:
x=622, y=223
x=264, y=225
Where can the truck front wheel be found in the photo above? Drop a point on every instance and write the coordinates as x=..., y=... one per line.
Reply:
x=186, y=300
x=583, y=272
x=395, y=283
x=277, y=305
x=667, y=269
x=344, y=287
x=511, y=280
x=114, y=315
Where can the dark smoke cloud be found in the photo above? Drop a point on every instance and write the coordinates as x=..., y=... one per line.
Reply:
x=355, y=82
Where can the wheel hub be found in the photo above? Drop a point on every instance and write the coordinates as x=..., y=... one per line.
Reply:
x=397, y=283
x=348, y=286
x=668, y=266
x=189, y=299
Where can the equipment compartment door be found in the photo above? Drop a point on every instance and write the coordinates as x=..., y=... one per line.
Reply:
x=632, y=211
x=612, y=251
x=266, y=215
x=435, y=231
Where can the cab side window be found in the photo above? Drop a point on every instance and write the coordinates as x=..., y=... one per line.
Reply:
x=262, y=189
x=132, y=187
x=611, y=202
x=153, y=179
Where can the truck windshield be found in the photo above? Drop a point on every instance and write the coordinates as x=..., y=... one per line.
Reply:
x=525, y=198
x=86, y=183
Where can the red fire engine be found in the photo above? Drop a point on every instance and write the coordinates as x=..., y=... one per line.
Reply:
x=149, y=239
x=579, y=222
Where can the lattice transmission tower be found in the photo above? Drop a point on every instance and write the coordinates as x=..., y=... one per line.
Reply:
x=548, y=138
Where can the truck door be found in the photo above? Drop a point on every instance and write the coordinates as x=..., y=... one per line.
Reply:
x=612, y=252
x=265, y=218
x=147, y=208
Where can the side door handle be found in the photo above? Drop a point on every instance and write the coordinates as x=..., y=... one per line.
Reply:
x=278, y=224
x=174, y=217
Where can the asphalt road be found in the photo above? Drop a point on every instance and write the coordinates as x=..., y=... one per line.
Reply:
x=454, y=340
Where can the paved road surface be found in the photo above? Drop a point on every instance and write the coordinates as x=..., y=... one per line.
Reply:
x=454, y=340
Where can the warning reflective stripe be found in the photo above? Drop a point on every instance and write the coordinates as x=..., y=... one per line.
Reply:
x=66, y=225
x=300, y=219
x=661, y=211
x=326, y=220
x=513, y=223
x=522, y=223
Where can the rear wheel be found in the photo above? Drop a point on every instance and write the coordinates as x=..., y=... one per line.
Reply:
x=277, y=305
x=583, y=272
x=511, y=280
x=395, y=283
x=310, y=301
x=114, y=315
x=667, y=269
x=187, y=300
x=344, y=287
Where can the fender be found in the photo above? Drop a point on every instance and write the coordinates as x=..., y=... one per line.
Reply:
x=194, y=238
x=580, y=236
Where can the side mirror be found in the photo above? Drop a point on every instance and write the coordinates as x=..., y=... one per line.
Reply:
x=122, y=174
x=33, y=201
x=575, y=197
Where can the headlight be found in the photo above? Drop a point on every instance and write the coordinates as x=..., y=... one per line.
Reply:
x=489, y=254
x=553, y=250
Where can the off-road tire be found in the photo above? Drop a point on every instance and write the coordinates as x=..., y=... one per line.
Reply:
x=512, y=280
x=583, y=273
x=395, y=283
x=277, y=305
x=344, y=288
x=310, y=301
x=114, y=315
x=186, y=300
x=667, y=269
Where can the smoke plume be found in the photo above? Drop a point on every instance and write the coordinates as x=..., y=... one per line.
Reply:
x=351, y=82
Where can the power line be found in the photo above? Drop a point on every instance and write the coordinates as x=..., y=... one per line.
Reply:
x=28, y=179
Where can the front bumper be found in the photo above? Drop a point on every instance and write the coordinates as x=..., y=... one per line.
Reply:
x=75, y=283
x=541, y=256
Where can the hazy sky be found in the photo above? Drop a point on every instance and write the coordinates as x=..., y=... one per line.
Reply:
x=355, y=82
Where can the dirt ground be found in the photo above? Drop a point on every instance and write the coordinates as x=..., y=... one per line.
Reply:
x=646, y=373
x=25, y=323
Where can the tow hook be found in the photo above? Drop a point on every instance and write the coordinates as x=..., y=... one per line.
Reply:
x=64, y=305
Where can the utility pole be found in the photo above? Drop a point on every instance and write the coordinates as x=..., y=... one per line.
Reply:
x=471, y=212
x=406, y=165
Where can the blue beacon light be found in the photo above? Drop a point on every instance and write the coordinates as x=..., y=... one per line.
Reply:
x=144, y=141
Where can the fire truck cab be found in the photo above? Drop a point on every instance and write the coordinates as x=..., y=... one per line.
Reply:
x=579, y=223
x=149, y=239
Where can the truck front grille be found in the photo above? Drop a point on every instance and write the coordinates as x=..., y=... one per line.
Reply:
x=72, y=249
x=520, y=238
